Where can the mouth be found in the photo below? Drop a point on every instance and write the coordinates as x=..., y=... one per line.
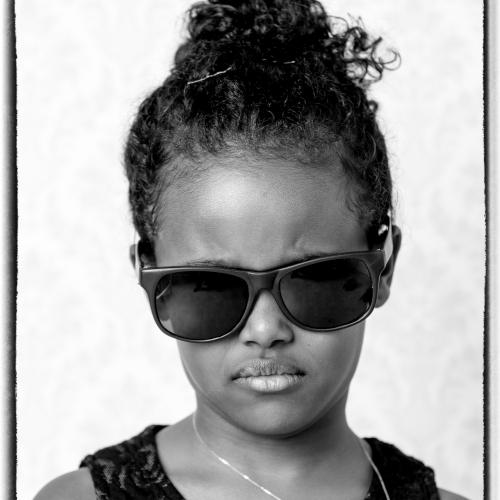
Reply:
x=268, y=375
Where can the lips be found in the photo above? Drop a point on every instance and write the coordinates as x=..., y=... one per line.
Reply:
x=266, y=368
x=268, y=375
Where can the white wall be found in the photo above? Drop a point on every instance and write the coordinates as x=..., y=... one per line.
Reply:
x=92, y=367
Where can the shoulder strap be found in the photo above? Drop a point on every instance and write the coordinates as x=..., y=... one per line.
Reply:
x=404, y=476
x=131, y=470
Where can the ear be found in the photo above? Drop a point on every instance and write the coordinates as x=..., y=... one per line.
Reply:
x=386, y=277
x=146, y=258
x=132, y=255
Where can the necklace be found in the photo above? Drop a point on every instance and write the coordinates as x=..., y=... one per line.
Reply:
x=246, y=477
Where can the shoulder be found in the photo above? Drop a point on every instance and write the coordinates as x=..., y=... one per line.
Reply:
x=121, y=464
x=391, y=458
x=75, y=485
x=448, y=495
x=128, y=453
x=407, y=473
x=406, y=476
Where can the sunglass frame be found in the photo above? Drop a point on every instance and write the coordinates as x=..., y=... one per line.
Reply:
x=375, y=261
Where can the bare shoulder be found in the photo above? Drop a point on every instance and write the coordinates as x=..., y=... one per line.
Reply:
x=448, y=495
x=75, y=485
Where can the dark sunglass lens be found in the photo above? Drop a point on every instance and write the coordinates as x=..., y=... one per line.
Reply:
x=328, y=294
x=200, y=305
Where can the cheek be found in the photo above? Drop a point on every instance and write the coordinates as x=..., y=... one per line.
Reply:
x=202, y=362
x=337, y=353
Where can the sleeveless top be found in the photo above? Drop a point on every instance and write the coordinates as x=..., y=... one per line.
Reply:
x=132, y=470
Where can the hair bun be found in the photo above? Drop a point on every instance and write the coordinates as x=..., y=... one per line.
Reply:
x=268, y=36
x=279, y=22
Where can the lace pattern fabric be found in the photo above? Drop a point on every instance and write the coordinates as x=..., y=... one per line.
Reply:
x=132, y=470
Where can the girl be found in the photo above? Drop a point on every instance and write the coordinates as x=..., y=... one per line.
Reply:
x=261, y=194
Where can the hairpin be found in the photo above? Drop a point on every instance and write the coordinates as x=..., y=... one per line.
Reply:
x=210, y=76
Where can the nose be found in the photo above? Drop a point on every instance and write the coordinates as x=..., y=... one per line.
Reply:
x=266, y=325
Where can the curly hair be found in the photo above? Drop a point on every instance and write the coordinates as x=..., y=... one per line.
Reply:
x=276, y=77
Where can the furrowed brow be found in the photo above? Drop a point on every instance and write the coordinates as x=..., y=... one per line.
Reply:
x=314, y=255
x=209, y=263
x=232, y=264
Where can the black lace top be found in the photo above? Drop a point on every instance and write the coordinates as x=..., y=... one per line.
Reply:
x=132, y=470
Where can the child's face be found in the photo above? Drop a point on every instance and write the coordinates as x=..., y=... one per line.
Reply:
x=261, y=214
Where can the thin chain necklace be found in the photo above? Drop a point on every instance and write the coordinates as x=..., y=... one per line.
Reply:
x=246, y=477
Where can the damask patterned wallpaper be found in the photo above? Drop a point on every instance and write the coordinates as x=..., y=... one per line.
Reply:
x=92, y=368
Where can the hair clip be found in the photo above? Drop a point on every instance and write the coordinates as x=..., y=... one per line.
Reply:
x=210, y=76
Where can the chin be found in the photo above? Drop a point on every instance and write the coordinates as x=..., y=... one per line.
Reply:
x=274, y=418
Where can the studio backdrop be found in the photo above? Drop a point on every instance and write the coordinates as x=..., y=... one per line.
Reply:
x=92, y=367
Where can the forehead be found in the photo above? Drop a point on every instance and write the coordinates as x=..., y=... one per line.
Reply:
x=256, y=213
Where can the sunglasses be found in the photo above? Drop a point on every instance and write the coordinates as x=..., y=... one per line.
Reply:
x=202, y=304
